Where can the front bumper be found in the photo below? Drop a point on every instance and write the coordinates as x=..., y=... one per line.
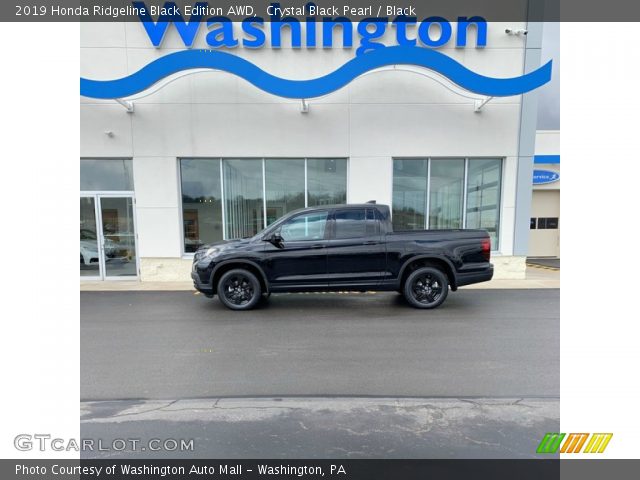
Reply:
x=203, y=288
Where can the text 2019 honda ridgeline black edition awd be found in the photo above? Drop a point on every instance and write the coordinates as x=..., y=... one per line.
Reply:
x=342, y=247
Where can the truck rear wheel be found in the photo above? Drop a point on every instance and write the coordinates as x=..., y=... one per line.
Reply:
x=239, y=289
x=427, y=287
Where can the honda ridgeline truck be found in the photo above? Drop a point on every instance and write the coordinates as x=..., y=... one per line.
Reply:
x=342, y=248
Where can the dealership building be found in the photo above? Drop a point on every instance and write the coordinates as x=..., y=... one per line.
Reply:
x=204, y=155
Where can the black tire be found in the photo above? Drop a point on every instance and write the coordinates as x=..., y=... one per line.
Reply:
x=427, y=287
x=239, y=289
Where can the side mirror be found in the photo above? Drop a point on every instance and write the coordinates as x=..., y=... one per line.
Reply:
x=275, y=239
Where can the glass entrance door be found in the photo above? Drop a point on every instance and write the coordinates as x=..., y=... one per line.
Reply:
x=118, y=236
x=107, y=237
x=89, y=245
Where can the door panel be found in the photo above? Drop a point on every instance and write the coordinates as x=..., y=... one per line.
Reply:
x=118, y=231
x=356, y=252
x=544, y=236
x=301, y=259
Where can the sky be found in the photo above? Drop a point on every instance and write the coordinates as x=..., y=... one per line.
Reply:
x=549, y=95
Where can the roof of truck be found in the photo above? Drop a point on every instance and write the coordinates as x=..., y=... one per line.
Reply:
x=344, y=205
x=384, y=209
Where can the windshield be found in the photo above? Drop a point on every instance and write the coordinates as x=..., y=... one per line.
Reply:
x=273, y=227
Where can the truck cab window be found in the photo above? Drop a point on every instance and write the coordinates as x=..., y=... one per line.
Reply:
x=310, y=226
x=354, y=223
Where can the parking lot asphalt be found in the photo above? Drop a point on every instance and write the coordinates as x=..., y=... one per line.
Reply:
x=313, y=428
x=178, y=345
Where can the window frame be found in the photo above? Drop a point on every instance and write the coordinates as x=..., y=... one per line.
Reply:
x=188, y=255
x=327, y=219
x=368, y=212
x=110, y=159
x=467, y=159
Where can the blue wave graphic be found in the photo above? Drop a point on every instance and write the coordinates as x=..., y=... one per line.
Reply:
x=317, y=87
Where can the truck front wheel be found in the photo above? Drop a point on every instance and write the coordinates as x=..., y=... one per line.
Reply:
x=239, y=289
x=427, y=287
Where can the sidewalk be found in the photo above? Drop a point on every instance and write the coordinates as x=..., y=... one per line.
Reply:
x=535, y=278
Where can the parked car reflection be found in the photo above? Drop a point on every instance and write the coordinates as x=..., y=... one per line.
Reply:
x=89, y=248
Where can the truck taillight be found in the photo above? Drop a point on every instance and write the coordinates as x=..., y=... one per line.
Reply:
x=486, y=249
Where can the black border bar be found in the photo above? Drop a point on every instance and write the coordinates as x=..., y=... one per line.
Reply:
x=288, y=469
x=490, y=10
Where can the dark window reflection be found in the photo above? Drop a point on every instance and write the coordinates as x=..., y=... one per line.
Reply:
x=201, y=202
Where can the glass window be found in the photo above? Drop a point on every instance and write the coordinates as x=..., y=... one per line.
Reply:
x=326, y=181
x=244, y=213
x=446, y=192
x=257, y=192
x=118, y=236
x=310, y=226
x=201, y=202
x=106, y=175
x=89, y=257
x=548, y=223
x=483, y=196
x=354, y=223
x=284, y=184
x=409, y=194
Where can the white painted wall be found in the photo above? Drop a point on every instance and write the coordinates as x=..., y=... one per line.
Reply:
x=548, y=142
x=211, y=114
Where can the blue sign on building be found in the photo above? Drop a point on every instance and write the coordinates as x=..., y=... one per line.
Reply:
x=541, y=177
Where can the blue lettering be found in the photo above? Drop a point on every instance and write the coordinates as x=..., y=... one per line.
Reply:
x=277, y=22
x=380, y=25
x=223, y=36
x=425, y=27
x=255, y=32
x=401, y=23
x=328, y=24
x=431, y=32
x=481, y=31
x=157, y=30
x=310, y=25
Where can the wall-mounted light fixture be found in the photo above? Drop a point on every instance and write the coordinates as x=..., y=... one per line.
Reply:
x=521, y=31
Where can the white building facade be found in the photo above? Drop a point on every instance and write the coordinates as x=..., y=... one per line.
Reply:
x=204, y=155
x=544, y=239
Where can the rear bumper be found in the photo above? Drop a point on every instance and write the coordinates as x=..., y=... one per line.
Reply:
x=203, y=288
x=468, y=278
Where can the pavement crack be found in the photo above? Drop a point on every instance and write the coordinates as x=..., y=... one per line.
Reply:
x=132, y=414
x=482, y=442
x=472, y=402
x=214, y=407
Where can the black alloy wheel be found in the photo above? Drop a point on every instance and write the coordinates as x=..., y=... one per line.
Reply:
x=239, y=289
x=426, y=287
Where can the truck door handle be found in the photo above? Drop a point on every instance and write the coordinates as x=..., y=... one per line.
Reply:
x=317, y=245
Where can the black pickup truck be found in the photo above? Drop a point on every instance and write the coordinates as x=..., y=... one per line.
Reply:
x=342, y=247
